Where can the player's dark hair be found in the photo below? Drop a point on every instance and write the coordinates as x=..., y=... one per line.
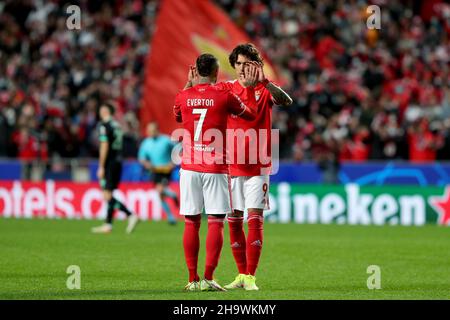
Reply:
x=110, y=107
x=206, y=64
x=248, y=50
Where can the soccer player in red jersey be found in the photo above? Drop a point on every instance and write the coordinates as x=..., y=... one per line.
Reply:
x=250, y=178
x=204, y=181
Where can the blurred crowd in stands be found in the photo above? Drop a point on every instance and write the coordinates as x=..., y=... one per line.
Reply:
x=52, y=79
x=358, y=94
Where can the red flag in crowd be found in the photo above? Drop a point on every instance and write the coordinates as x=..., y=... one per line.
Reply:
x=184, y=30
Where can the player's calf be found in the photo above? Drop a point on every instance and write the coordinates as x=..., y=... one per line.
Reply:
x=254, y=240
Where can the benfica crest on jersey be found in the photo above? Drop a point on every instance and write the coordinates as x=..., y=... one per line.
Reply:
x=257, y=94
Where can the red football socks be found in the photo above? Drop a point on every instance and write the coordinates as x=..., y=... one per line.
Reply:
x=246, y=253
x=254, y=241
x=214, y=243
x=237, y=241
x=191, y=244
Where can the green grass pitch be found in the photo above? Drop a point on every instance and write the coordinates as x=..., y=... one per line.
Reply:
x=298, y=262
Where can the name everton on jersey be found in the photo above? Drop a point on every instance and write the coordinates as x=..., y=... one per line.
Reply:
x=199, y=102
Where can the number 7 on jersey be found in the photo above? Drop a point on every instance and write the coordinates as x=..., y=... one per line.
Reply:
x=198, y=130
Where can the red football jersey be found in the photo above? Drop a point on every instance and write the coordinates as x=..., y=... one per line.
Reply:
x=204, y=110
x=250, y=147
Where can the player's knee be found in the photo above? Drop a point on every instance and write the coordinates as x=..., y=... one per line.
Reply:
x=237, y=213
x=193, y=218
x=107, y=195
x=216, y=220
x=160, y=188
x=255, y=211
x=217, y=216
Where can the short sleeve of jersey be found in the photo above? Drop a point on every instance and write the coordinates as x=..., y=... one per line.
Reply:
x=177, y=108
x=103, y=133
x=142, y=151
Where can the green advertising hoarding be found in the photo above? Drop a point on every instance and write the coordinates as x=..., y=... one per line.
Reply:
x=359, y=205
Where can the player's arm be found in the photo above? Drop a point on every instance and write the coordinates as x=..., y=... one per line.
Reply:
x=238, y=108
x=168, y=167
x=142, y=157
x=103, y=152
x=245, y=106
x=104, y=148
x=177, y=109
x=279, y=96
x=146, y=164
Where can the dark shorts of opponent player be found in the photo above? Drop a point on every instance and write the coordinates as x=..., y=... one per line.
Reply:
x=113, y=173
x=161, y=178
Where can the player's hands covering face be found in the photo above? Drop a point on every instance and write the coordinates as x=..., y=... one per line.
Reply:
x=193, y=75
x=250, y=75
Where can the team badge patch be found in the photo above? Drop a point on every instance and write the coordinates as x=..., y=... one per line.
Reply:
x=257, y=94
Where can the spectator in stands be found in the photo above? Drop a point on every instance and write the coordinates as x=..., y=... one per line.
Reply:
x=423, y=141
x=63, y=75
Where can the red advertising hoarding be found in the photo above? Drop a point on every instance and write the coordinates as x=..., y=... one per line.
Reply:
x=72, y=200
